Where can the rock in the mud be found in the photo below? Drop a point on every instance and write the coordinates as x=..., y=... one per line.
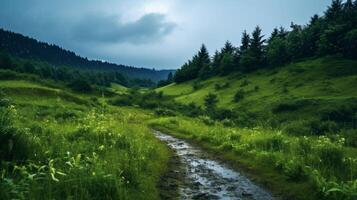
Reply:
x=246, y=194
x=196, y=184
x=204, y=196
x=231, y=188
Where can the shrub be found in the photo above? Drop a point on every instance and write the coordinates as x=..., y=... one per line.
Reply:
x=123, y=100
x=207, y=120
x=294, y=170
x=196, y=86
x=331, y=155
x=322, y=127
x=285, y=90
x=14, y=145
x=66, y=115
x=245, y=82
x=292, y=105
x=300, y=127
x=217, y=86
x=239, y=95
x=164, y=112
x=222, y=114
x=304, y=147
x=344, y=113
x=4, y=101
x=81, y=85
x=273, y=143
x=192, y=110
x=235, y=137
x=228, y=123
x=351, y=137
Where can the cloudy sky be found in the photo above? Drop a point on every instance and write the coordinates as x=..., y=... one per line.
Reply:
x=160, y=34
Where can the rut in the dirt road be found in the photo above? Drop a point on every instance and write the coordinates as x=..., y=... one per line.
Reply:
x=208, y=179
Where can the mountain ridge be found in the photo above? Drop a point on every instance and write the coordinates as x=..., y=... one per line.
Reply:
x=23, y=46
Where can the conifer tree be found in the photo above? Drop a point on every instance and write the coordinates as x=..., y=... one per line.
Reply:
x=245, y=42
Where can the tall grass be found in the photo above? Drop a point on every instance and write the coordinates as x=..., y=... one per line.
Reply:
x=63, y=152
x=325, y=163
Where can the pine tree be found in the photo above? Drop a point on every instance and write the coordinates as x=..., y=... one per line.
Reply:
x=203, y=56
x=211, y=101
x=334, y=11
x=273, y=35
x=256, y=45
x=169, y=78
x=228, y=48
x=216, y=61
x=245, y=42
x=204, y=63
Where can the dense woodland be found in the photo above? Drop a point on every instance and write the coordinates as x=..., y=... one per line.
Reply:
x=77, y=79
x=334, y=33
x=24, y=47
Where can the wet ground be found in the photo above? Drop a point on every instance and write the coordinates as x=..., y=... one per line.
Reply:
x=204, y=178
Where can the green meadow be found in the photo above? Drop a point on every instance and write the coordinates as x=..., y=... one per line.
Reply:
x=55, y=145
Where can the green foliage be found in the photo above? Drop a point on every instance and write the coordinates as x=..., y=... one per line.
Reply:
x=239, y=96
x=198, y=66
x=320, y=163
x=81, y=85
x=334, y=33
x=277, y=53
x=211, y=102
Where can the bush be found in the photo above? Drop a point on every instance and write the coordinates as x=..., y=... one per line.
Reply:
x=164, y=112
x=294, y=170
x=228, y=123
x=14, y=145
x=207, y=120
x=273, y=143
x=292, y=105
x=239, y=95
x=351, y=137
x=299, y=128
x=322, y=127
x=196, y=86
x=245, y=82
x=123, y=100
x=331, y=156
x=344, y=113
x=235, y=137
x=81, y=85
x=66, y=115
x=222, y=114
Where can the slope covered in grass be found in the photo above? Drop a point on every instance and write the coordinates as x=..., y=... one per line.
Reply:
x=313, y=83
x=56, y=144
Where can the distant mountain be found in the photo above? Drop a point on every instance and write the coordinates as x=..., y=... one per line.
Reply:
x=25, y=47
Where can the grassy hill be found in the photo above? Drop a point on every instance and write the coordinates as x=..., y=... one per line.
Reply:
x=307, y=88
x=302, y=143
x=56, y=143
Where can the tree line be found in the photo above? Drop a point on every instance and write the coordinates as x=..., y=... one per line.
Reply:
x=333, y=33
x=21, y=46
x=78, y=79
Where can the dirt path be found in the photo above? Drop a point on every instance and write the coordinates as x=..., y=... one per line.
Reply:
x=204, y=178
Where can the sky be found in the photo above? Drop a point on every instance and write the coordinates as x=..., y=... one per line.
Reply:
x=160, y=34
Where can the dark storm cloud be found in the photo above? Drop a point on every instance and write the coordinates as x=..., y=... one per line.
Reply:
x=124, y=31
x=108, y=29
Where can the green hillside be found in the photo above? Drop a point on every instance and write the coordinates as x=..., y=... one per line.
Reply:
x=310, y=85
x=56, y=143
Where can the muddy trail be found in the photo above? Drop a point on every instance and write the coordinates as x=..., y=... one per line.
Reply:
x=204, y=178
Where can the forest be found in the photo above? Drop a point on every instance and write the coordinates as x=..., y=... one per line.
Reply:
x=331, y=34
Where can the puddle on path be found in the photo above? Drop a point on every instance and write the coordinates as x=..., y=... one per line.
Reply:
x=209, y=179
